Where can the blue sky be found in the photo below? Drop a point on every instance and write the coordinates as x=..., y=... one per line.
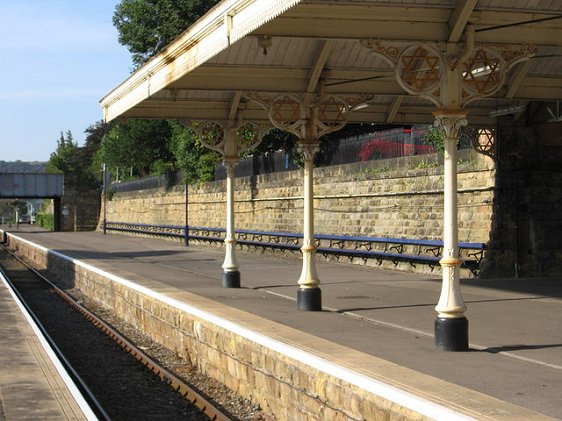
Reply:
x=58, y=58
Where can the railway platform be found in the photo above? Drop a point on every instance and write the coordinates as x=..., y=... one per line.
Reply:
x=375, y=330
x=32, y=385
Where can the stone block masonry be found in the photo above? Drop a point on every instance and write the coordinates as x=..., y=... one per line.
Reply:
x=394, y=198
x=80, y=206
x=526, y=238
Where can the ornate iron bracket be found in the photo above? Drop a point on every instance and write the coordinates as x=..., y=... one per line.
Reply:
x=308, y=116
x=229, y=138
x=425, y=69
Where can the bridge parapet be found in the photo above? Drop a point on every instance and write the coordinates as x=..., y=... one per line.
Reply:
x=31, y=185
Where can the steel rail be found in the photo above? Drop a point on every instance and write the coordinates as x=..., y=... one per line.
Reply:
x=190, y=394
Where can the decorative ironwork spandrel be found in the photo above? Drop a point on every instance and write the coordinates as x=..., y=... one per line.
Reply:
x=229, y=138
x=419, y=69
x=286, y=113
x=212, y=135
x=485, y=142
x=307, y=115
x=332, y=115
x=484, y=72
x=250, y=134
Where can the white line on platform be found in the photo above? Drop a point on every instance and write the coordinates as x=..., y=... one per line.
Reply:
x=505, y=354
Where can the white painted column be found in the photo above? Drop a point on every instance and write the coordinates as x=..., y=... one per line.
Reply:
x=231, y=274
x=309, y=295
x=451, y=327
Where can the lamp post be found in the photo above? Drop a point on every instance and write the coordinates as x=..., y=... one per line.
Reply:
x=186, y=238
x=104, y=172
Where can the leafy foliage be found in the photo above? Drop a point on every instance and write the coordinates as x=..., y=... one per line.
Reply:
x=146, y=26
x=435, y=137
x=70, y=159
x=137, y=145
x=192, y=158
x=46, y=220
x=65, y=159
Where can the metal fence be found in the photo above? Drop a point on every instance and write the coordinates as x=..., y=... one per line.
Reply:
x=168, y=180
x=260, y=164
x=392, y=143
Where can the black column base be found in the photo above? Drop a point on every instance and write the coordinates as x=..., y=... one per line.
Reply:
x=451, y=334
x=231, y=279
x=309, y=299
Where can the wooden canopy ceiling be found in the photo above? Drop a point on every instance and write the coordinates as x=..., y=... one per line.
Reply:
x=242, y=49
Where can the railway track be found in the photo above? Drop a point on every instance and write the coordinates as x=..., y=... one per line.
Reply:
x=115, y=385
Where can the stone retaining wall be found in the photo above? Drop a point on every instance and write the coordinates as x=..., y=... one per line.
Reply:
x=394, y=198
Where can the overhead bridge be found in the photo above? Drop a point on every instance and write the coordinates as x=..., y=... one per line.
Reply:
x=34, y=186
x=31, y=186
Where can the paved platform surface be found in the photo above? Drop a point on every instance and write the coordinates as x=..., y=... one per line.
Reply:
x=31, y=388
x=515, y=324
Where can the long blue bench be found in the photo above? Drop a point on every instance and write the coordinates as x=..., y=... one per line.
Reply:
x=364, y=247
x=394, y=248
x=148, y=229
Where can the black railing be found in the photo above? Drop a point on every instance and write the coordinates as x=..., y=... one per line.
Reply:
x=153, y=182
x=385, y=144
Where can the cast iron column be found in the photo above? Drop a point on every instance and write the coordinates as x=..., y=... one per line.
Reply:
x=309, y=297
x=231, y=274
x=229, y=138
x=104, y=172
x=451, y=327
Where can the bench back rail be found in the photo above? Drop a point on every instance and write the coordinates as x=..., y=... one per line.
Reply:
x=425, y=251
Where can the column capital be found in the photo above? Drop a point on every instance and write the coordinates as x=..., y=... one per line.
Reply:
x=308, y=148
x=444, y=112
x=451, y=121
x=230, y=163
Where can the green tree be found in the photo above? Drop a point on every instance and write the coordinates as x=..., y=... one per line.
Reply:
x=192, y=158
x=65, y=159
x=146, y=26
x=138, y=146
x=70, y=159
x=90, y=156
x=20, y=206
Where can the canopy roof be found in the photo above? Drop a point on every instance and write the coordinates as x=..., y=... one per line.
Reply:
x=265, y=47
